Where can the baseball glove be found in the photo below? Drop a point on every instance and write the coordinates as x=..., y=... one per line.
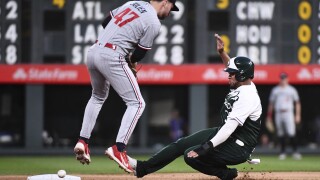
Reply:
x=132, y=66
x=270, y=126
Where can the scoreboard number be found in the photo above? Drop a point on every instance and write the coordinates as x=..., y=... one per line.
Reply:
x=12, y=6
x=169, y=43
x=10, y=32
x=160, y=55
x=178, y=32
x=319, y=11
x=318, y=36
x=0, y=35
x=178, y=14
x=11, y=54
x=162, y=37
x=176, y=55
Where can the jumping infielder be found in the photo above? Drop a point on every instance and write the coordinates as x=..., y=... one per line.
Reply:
x=282, y=99
x=129, y=29
x=211, y=150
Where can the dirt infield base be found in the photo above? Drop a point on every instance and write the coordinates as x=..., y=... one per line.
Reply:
x=197, y=176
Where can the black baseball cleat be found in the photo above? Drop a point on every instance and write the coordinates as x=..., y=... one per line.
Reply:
x=231, y=173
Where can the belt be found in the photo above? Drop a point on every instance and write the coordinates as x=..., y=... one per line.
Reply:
x=108, y=45
x=241, y=143
x=237, y=141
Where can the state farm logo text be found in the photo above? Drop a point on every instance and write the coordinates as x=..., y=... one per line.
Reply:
x=44, y=74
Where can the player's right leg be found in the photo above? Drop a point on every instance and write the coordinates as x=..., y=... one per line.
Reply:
x=100, y=91
x=215, y=161
x=125, y=84
x=210, y=168
x=280, y=125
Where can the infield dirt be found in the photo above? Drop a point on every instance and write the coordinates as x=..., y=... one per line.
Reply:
x=195, y=176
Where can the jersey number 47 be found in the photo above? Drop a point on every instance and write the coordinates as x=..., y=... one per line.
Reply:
x=125, y=17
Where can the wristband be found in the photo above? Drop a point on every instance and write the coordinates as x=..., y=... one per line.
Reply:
x=204, y=148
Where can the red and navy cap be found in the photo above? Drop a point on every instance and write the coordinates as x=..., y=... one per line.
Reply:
x=283, y=75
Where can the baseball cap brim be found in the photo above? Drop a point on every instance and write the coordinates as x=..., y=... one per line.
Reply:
x=230, y=70
x=283, y=76
x=175, y=8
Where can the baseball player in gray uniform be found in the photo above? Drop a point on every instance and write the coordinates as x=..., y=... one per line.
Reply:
x=129, y=31
x=281, y=100
x=211, y=150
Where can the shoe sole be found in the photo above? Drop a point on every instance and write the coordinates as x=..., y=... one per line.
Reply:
x=112, y=157
x=81, y=157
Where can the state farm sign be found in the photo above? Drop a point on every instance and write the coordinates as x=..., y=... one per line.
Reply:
x=309, y=74
x=156, y=74
x=37, y=74
x=44, y=74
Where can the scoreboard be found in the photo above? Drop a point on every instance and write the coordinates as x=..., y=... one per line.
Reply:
x=272, y=31
x=170, y=46
x=267, y=31
x=10, y=31
x=83, y=25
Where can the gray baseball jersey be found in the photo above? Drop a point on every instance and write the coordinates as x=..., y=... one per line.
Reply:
x=283, y=99
x=133, y=24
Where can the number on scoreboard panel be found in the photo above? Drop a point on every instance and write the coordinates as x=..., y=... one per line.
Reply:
x=0, y=32
x=169, y=43
x=10, y=32
x=318, y=35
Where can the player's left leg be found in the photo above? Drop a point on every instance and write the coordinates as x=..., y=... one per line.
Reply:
x=291, y=129
x=100, y=91
x=172, y=151
x=126, y=85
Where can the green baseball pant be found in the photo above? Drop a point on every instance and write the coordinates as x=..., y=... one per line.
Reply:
x=213, y=162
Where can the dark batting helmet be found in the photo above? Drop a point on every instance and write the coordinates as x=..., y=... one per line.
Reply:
x=243, y=67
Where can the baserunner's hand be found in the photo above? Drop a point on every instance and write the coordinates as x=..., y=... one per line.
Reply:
x=192, y=154
x=220, y=43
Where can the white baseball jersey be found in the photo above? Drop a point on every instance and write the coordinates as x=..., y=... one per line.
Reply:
x=243, y=105
x=134, y=23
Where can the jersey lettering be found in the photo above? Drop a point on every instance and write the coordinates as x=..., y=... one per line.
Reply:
x=129, y=16
x=228, y=104
x=139, y=7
